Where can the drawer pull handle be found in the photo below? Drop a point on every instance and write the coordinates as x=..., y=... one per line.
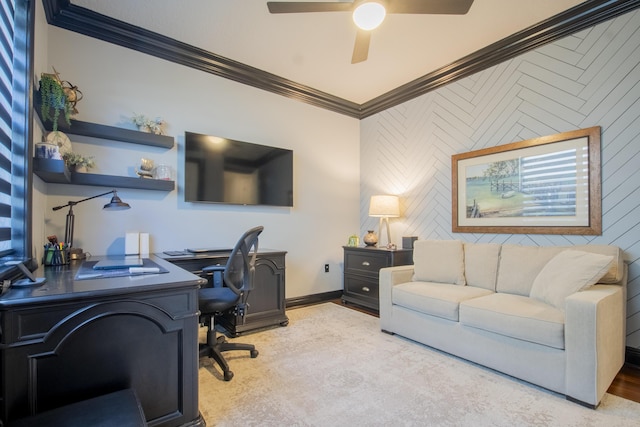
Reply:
x=366, y=263
x=366, y=289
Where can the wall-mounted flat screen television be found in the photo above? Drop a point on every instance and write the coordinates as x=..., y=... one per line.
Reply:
x=222, y=170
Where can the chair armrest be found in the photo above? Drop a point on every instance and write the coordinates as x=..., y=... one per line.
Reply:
x=216, y=274
x=212, y=268
x=389, y=277
x=595, y=328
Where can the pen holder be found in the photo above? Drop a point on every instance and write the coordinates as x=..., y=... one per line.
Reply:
x=55, y=256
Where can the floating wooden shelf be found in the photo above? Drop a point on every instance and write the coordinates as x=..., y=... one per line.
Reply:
x=121, y=182
x=103, y=131
x=54, y=171
x=50, y=170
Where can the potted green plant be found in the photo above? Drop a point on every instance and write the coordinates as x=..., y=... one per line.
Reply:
x=54, y=100
x=77, y=162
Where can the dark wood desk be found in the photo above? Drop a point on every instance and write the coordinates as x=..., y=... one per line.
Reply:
x=117, y=409
x=266, y=300
x=68, y=341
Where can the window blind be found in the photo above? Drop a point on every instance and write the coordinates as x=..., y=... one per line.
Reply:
x=549, y=182
x=7, y=11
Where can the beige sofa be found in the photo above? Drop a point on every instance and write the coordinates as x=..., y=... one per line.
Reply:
x=552, y=316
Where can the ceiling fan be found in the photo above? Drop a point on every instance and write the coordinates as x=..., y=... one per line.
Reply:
x=368, y=14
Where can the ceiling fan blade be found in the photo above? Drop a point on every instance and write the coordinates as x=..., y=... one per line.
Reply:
x=432, y=7
x=303, y=7
x=361, y=47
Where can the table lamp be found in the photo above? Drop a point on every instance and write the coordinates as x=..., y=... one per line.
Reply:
x=114, y=205
x=384, y=207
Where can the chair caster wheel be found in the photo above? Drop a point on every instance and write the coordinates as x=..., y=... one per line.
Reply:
x=228, y=376
x=254, y=354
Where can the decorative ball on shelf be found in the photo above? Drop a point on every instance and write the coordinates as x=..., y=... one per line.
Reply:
x=61, y=140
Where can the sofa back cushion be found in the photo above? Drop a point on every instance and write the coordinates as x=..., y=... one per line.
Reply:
x=440, y=261
x=481, y=264
x=520, y=265
x=568, y=272
x=616, y=270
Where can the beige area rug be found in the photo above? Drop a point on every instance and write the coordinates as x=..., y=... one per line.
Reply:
x=333, y=367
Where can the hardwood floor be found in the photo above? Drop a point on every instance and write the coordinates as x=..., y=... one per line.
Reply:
x=626, y=384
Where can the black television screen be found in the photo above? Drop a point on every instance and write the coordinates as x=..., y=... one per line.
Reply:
x=222, y=170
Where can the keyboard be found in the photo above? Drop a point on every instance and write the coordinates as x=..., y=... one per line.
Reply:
x=175, y=253
x=205, y=250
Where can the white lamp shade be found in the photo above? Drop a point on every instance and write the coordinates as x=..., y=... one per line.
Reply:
x=369, y=15
x=384, y=206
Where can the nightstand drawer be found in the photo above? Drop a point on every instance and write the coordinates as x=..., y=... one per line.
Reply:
x=362, y=270
x=365, y=263
x=361, y=286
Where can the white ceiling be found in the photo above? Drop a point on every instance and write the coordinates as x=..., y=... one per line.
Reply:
x=314, y=49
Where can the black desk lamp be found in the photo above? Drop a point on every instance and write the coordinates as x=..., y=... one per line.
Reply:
x=114, y=205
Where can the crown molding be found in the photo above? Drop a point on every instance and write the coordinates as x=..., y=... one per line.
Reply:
x=63, y=14
x=568, y=22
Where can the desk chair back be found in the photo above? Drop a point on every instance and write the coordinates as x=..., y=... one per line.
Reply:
x=237, y=277
x=240, y=269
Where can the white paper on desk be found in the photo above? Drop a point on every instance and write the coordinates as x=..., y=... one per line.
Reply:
x=143, y=270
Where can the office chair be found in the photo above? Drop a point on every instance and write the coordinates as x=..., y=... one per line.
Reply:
x=237, y=280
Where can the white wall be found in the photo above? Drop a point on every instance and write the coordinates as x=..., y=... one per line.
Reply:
x=116, y=82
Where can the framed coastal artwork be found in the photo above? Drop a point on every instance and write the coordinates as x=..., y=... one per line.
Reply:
x=546, y=185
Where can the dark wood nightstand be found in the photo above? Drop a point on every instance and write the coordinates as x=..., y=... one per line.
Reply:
x=361, y=271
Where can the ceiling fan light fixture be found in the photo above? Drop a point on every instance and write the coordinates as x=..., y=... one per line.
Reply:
x=369, y=15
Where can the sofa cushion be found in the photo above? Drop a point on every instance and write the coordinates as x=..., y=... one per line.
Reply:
x=517, y=317
x=481, y=264
x=566, y=273
x=437, y=299
x=439, y=261
x=616, y=270
x=519, y=266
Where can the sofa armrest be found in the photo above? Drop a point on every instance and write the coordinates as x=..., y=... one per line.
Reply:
x=389, y=277
x=595, y=325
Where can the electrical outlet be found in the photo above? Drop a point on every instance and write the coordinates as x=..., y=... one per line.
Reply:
x=326, y=268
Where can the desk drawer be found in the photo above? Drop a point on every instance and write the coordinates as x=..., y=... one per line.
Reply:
x=34, y=323
x=363, y=263
x=195, y=266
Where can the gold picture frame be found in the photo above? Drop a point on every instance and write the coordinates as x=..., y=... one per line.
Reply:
x=546, y=185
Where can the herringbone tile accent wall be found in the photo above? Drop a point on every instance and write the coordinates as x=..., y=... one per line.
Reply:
x=591, y=78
